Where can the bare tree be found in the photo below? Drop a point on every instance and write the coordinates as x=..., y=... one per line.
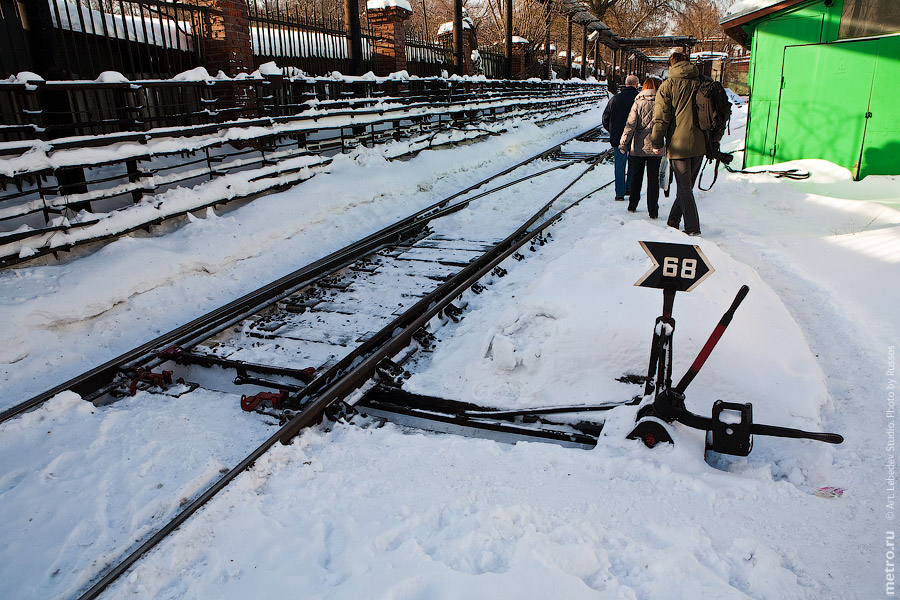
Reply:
x=600, y=7
x=639, y=18
x=699, y=18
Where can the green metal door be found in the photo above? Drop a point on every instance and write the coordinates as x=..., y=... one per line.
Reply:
x=824, y=100
x=881, y=143
x=769, y=41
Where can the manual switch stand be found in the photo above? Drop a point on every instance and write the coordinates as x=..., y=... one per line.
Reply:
x=678, y=267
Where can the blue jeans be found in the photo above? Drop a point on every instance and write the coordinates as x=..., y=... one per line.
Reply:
x=623, y=172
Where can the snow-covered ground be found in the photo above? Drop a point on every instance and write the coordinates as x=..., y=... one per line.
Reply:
x=367, y=512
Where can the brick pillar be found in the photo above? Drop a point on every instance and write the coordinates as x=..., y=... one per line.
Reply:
x=389, y=28
x=228, y=49
x=445, y=38
x=520, y=46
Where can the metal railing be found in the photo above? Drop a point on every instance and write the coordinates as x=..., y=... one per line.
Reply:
x=425, y=56
x=304, y=38
x=140, y=38
x=158, y=39
x=52, y=193
x=493, y=63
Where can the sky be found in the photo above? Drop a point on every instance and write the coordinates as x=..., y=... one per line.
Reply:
x=362, y=509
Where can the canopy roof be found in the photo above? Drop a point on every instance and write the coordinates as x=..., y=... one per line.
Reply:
x=582, y=15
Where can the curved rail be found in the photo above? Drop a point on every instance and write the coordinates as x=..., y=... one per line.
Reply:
x=353, y=371
x=94, y=380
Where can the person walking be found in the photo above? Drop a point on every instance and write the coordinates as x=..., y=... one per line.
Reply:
x=675, y=127
x=636, y=142
x=614, y=117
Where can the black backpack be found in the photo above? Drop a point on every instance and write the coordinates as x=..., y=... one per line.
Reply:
x=713, y=110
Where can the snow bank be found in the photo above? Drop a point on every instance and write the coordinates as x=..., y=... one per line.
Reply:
x=363, y=511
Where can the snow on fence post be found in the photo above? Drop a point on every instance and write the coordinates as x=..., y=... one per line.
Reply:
x=228, y=49
x=387, y=22
x=520, y=47
x=445, y=38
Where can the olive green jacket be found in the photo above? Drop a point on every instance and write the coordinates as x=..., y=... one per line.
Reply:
x=674, y=120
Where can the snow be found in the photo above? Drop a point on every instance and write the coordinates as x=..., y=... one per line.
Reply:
x=166, y=33
x=270, y=68
x=173, y=34
x=359, y=511
x=448, y=26
x=26, y=77
x=195, y=74
x=111, y=77
x=268, y=41
x=707, y=55
x=734, y=98
x=383, y=4
x=745, y=7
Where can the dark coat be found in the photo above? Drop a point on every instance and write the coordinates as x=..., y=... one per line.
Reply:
x=616, y=113
x=674, y=121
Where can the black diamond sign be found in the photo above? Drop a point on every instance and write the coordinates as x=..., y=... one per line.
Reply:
x=677, y=266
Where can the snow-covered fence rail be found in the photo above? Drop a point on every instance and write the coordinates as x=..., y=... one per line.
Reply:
x=59, y=193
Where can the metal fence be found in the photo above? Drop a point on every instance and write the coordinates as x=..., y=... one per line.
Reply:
x=307, y=38
x=140, y=38
x=425, y=56
x=14, y=56
x=158, y=39
x=493, y=63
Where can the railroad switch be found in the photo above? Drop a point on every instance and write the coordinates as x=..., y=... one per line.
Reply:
x=250, y=403
x=171, y=353
x=391, y=373
x=730, y=429
x=425, y=339
x=452, y=312
x=153, y=379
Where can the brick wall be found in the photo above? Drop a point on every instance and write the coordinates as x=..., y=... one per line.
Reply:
x=518, y=60
x=446, y=39
x=389, y=27
x=228, y=49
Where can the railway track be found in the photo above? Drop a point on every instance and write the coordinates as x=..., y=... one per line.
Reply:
x=320, y=338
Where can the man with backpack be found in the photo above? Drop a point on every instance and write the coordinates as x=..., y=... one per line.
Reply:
x=676, y=126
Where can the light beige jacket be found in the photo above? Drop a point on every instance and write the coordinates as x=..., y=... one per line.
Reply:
x=636, y=136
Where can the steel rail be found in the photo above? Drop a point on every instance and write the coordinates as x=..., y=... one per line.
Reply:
x=90, y=382
x=391, y=341
x=400, y=333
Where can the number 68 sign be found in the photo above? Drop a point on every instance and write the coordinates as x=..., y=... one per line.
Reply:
x=675, y=266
